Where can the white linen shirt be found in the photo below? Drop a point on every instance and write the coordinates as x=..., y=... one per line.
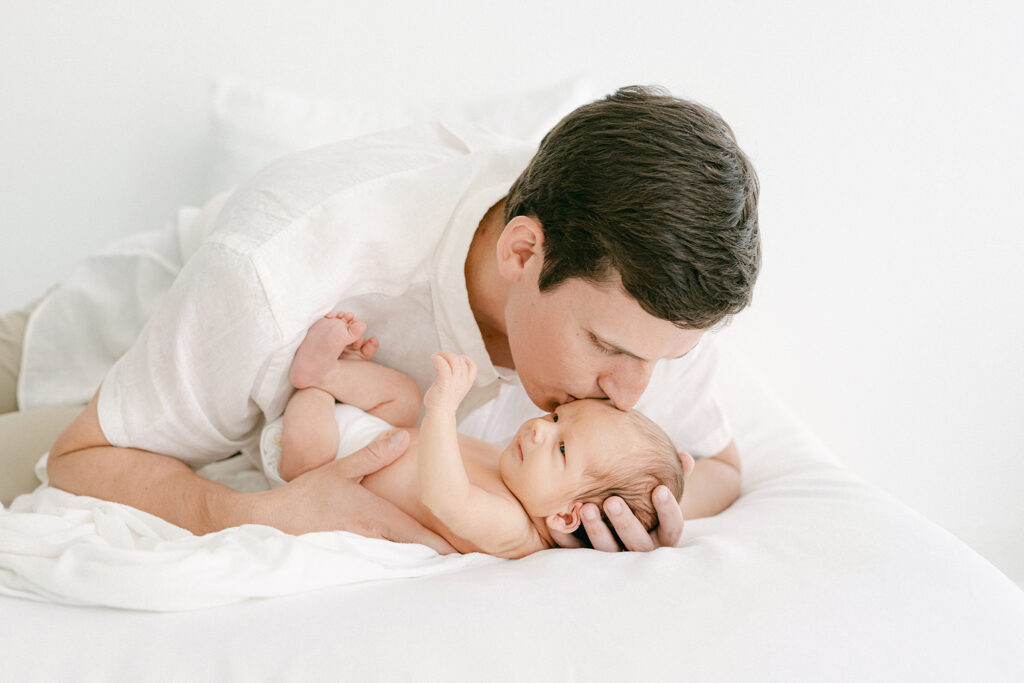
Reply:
x=379, y=226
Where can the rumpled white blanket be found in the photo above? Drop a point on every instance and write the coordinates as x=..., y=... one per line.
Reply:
x=58, y=547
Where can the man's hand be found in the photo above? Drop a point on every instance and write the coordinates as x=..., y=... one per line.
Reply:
x=713, y=486
x=628, y=527
x=331, y=497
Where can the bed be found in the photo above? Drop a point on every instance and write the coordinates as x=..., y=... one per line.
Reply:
x=813, y=574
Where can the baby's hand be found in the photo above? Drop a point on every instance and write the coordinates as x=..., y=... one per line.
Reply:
x=455, y=375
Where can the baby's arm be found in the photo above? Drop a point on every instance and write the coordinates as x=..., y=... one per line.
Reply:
x=494, y=524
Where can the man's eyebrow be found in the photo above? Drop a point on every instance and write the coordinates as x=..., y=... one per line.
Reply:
x=611, y=346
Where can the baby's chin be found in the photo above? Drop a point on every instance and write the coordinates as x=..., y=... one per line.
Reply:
x=505, y=459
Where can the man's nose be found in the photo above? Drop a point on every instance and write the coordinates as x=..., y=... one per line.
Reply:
x=625, y=386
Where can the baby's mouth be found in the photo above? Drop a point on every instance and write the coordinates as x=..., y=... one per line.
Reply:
x=519, y=449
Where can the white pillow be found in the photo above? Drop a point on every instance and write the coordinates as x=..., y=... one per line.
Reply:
x=254, y=124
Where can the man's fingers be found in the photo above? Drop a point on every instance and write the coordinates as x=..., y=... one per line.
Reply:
x=390, y=523
x=599, y=534
x=631, y=532
x=670, y=518
x=629, y=529
x=381, y=452
x=384, y=519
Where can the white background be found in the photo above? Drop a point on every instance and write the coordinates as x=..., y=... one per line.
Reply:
x=887, y=136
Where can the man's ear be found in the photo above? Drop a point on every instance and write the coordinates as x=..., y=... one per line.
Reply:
x=520, y=241
x=566, y=522
x=687, y=461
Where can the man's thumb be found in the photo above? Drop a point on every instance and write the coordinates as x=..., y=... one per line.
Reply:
x=378, y=454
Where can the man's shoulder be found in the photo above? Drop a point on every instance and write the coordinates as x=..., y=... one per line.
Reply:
x=382, y=165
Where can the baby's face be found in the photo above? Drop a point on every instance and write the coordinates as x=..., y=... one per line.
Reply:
x=545, y=464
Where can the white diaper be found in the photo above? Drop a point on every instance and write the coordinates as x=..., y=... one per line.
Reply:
x=356, y=428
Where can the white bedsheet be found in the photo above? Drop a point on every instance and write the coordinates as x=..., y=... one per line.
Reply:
x=84, y=551
x=812, y=575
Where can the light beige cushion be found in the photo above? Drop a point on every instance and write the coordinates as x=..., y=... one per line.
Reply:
x=25, y=436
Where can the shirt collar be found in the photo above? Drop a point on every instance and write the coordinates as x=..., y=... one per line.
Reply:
x=456, y=327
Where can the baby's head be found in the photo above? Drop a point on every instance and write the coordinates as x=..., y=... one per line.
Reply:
x=584, y=452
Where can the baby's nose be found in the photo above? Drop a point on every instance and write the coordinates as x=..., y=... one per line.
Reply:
x=537, y=431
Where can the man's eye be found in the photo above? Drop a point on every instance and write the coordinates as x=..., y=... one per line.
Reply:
x=600, y=346
x=561, y=447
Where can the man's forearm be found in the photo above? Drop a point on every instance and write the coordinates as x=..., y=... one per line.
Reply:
x=82, y=461
x=157, y=484
x=713, y=485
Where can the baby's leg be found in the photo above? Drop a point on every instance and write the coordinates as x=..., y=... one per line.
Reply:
x=334, y=358
x=309, y=434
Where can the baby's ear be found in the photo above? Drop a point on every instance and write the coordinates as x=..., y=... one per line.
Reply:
x=688, y=463
x=566, y=522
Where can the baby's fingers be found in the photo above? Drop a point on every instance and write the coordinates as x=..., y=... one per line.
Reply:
x=469, y=367
x=442, y=365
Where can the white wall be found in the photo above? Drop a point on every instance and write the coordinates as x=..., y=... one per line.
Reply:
x=888, y=139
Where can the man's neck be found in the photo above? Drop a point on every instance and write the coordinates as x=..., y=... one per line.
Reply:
x=487, y=289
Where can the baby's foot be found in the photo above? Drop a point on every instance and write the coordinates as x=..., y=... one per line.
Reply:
x=325, y=341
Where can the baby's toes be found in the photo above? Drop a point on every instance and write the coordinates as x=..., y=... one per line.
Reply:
x=357, y=327
x=369, y=348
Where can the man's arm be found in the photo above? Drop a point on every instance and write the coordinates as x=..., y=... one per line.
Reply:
x=714, y=484
x=82, y=461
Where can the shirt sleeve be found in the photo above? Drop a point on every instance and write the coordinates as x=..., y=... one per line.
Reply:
x=185, y=387
x=683, y=399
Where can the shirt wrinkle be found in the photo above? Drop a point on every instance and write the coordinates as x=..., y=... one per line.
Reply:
x=389, y=247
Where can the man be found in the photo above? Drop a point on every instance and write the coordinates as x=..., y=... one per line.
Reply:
x=630, y=233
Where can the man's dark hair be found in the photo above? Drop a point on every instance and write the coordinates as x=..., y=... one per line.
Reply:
x=652, y=188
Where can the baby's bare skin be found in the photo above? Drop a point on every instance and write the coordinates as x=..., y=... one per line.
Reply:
x=333, y=360
x=315, y=358
x=399, y=484
x=329, y=365
x=476, y=496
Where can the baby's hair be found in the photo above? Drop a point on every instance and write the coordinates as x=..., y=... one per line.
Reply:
x=633, y=477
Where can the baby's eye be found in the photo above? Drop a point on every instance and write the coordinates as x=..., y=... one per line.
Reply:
x=554, y=417
x=561, y=447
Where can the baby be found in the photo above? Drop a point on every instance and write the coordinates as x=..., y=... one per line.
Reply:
x=475, y=496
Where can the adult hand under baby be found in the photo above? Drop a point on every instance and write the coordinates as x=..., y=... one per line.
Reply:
x=628, y=527
x=330, y=498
